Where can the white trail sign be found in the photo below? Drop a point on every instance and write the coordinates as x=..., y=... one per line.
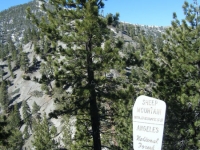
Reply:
x=148, y=123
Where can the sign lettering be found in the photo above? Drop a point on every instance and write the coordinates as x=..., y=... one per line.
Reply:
x=148, y=123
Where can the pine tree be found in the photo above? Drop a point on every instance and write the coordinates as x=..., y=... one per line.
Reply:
x=10, y=67
x=4, y=101
x=35, y=61
x=11, y=46
x=5, y=51
x=26, y=113
x=88, y=58
x=25, y=38
x=24, y=61
x=67, y=131
x=173, y=75
x=29, y=33
x=14, y=118
x=113, y=19
x=15, y=58
x=35, y=108
x=45, y=47
x=1, y=72
x=47, y=72
x=43, y=135
x=15, y=141
x=4, y=134
x=1, y=52
x=36, y=48
x=26, y=133
x=34, y=35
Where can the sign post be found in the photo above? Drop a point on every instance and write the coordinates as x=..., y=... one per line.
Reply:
x=148, y=123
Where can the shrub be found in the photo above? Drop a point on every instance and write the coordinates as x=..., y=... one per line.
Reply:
x=26, y=77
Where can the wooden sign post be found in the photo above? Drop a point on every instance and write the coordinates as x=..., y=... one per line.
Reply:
x=148, y=123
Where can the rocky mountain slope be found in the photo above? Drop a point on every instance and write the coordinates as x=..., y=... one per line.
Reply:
x=13, y=25
x=13, y=21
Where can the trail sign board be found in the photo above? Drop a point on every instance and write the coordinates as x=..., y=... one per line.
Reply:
x=148, y=123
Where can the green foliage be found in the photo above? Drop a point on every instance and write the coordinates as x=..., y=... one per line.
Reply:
x=1, y=73
x=35, y=108
x=4, y=100
x=10, y=67
x=123, y=120
x=68, y=131
x=15, y=58
x=35, y=79
x=45, y=88
x=82, y=63
x=112, y=19
x=10, y=136
x=15, y=140
x=36, y=48
x=26, y=133
x=26, y=77
x=25, y=38
x=47, y=72
x=173, y=71
x=14, y=118
x=43, y=135
x=20, y=24
x=4, y=134
x=35, y=61
x=24, y=61
x=26, y=113
x=30, y=35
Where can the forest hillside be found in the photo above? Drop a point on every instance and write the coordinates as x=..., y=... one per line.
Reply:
x=70, y=76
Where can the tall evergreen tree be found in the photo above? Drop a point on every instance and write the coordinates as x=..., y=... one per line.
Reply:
x=27, y=117
x=24, y=61
x=26, y=133
x=4, y=100
x=4, y=134
x=15, y=58
x=43, y=135
x=113, y=19
x=47, y=72
x=26, y=113
x=14, y=118
x=11, y=45
x=10, y=67
x=88, y=58
x=15, y=141
x=173, y=75
x=35, y=61
x=5, y=51
x=35, y=108
x=67, y=133
x=1, y=72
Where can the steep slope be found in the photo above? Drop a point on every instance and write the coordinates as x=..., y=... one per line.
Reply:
x=13, y=24
x=13, y=21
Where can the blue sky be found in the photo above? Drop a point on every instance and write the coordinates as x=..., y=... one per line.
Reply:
x=5, y=4
x=145, y=12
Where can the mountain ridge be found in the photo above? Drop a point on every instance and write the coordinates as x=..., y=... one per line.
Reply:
x=26, y=86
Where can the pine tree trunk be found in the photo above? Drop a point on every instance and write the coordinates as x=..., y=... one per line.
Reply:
x=94, y=114
x=95, y=122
